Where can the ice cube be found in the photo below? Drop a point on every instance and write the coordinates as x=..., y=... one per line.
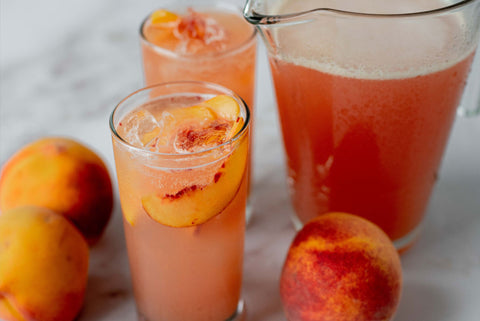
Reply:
x=192, y=138
x=140, y=128
x=214, y=32
x=160, y=141
x=197, y=31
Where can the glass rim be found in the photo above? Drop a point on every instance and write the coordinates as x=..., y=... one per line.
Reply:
x=210, y=55
x=240, y=133
x=257, y=18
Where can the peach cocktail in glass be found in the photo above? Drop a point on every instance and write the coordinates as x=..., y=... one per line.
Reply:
x=210, y=41
x=181, y=158
x=367, y=93
x=202, y=41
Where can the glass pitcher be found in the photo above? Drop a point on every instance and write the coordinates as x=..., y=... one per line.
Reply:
x=367, y=92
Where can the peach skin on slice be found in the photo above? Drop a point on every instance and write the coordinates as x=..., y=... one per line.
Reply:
x=195, y=205
x=226, y=107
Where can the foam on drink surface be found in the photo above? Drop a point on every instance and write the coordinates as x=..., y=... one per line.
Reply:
x=372, y=48
x=198, y=32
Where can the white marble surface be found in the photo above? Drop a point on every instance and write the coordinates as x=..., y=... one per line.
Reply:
x=65, y=64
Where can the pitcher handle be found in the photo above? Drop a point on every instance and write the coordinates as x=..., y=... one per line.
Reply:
x=472, y=91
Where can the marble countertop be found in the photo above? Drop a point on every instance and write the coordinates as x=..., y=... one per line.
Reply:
x=65, y=64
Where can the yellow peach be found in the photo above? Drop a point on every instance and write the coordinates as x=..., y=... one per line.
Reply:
x=64, y=176
x=341, y=267
x=43, y=266
x=196, y=204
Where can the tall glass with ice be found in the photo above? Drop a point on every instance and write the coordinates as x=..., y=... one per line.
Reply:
x=181, y=158
x=201, y=40
x=367, y=92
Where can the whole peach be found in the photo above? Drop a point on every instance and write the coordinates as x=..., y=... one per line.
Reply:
x=64, y=176
x=341, y=267
x=43, y=266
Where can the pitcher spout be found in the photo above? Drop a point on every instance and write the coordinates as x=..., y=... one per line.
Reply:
x=267, y=12
x=261, y=12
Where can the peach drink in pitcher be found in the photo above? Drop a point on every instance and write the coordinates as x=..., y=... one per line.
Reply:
x=367, y=92
x=181, y=156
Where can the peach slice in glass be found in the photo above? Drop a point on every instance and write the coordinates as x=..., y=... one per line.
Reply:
x=195, y=205
x=224, y=106
x=227, y=108
x=163, y=18
x=161, y=27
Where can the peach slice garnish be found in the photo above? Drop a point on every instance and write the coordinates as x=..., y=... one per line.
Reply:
x=161, y=18
x=226, y=107
x=195, y=205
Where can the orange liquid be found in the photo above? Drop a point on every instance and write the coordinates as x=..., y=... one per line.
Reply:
x=181, y=273
x=192, y=273
x=370, y=147
x=232, y=67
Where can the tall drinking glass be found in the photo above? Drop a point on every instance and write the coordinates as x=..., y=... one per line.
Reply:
x=367, y=92
x=181, y=158
x=201, y=40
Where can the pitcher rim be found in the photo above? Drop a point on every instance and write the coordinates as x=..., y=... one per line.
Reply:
x=256, y=18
